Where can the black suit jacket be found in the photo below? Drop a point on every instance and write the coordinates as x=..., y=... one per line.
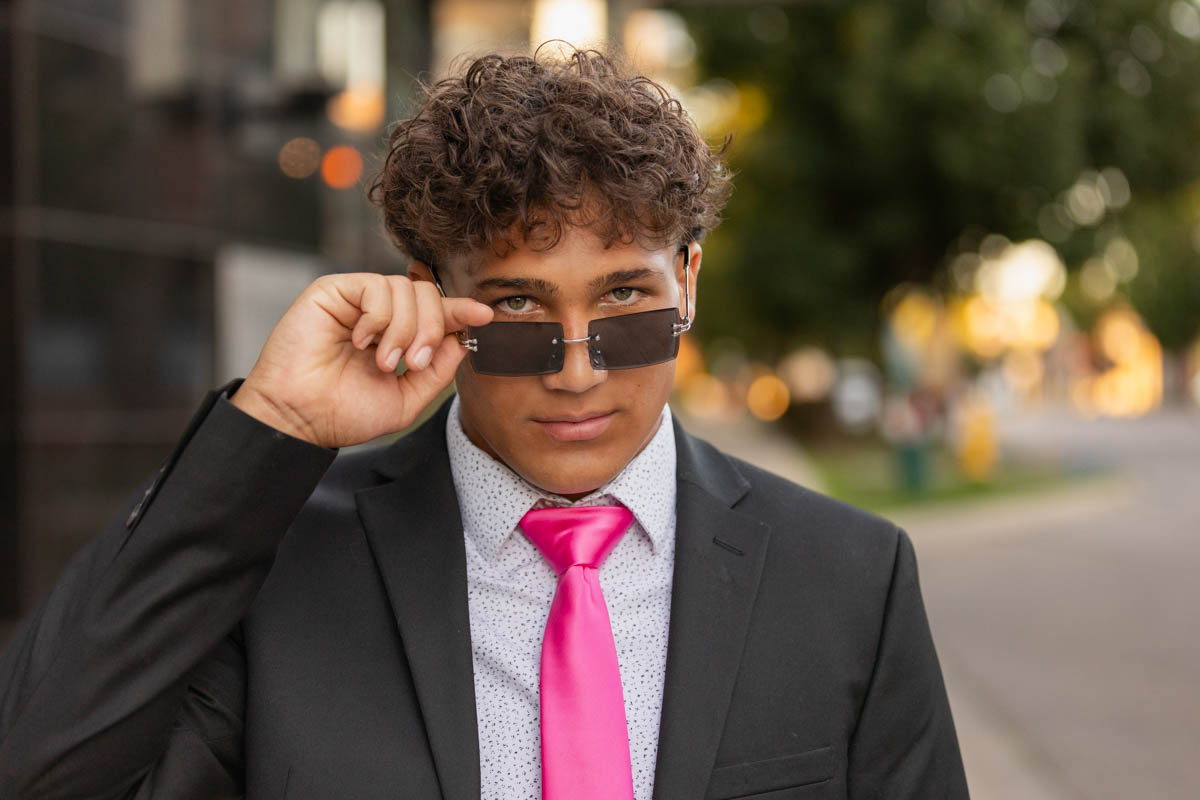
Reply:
x=264, y=619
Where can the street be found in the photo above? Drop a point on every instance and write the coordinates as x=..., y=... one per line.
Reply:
x=1067, y=623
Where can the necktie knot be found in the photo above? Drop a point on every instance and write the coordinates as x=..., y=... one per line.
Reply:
x=576, y=535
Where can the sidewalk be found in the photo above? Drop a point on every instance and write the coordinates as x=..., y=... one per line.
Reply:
x=1004, y=760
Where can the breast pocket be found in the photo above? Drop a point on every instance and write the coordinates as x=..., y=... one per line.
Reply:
x=805, y=774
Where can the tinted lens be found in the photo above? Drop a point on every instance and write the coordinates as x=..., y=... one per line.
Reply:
x=517, y=348
x=633, y=340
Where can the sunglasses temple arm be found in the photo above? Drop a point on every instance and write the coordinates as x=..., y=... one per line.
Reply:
x=470, y=344
x=686, y=324
x=437, y=281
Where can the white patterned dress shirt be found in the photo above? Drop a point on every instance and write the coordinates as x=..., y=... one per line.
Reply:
x=510, y=586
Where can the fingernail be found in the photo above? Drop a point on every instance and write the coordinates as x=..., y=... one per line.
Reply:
x=394, y=358
x=368, y=341
x=422, y=358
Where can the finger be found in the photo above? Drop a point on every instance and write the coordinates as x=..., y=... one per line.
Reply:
x=347, y=297
x=399, y=334
x=372, y=296
x=420, y=387
x=430, y=325
x=459, y=312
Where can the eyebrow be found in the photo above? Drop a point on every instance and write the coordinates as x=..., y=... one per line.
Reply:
x=547, y=289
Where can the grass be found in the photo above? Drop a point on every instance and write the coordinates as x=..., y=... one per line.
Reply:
x=869, y=475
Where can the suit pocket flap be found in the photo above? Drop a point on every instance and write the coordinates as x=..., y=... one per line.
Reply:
x=754, y=777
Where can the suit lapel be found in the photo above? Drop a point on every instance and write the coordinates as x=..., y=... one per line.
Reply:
x=414, y=528
x=719, y=555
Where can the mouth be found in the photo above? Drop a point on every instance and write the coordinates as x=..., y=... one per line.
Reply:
x=577, y=428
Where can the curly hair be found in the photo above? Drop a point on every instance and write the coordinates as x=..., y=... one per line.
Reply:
x=518, y=147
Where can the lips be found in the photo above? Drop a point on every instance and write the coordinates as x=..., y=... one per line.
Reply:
x=581, y=417
x=575, y=428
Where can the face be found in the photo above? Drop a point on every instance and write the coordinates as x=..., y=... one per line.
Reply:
x=568, y=432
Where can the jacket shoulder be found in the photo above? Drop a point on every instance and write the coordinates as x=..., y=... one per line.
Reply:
x=802, y=517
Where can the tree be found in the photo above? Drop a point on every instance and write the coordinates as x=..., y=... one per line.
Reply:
x=894, y=127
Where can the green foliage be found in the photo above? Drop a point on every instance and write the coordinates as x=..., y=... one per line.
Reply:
x=894, y=126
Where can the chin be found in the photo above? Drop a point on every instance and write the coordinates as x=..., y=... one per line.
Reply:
x=583, y=485
x=569, y=476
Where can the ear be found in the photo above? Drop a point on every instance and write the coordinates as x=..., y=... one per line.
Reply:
x=694, y=255
x=420, y=271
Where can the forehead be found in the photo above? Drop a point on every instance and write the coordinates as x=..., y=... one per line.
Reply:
x=579, y=258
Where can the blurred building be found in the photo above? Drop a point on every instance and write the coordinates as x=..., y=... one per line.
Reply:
x=163, y=155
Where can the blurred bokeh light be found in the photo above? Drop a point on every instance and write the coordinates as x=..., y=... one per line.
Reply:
x=341, y=167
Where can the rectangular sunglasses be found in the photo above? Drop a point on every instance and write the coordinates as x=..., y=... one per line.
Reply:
x=625, y=341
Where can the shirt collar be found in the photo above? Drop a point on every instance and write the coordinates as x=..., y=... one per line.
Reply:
x=492, y=498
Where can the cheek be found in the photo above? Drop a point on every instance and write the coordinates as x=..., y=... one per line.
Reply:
x=492, y=404
x=650, y=386
x=483, y=390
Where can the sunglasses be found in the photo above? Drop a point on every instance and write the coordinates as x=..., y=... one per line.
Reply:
x=626, y=341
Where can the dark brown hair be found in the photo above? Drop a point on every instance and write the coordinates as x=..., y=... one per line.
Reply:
x=517, y=147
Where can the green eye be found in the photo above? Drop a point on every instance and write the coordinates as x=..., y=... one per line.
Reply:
x=624, y=293
x=516, y=303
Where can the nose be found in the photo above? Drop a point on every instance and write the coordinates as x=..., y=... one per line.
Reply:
x=577, y=374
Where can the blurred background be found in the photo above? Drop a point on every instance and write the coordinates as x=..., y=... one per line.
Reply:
x=958, y=284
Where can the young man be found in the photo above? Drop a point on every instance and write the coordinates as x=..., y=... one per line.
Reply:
x=549, y=589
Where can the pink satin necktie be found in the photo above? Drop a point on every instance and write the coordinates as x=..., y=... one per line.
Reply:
x=585, y=741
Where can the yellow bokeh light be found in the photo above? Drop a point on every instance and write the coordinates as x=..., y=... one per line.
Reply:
x=706, y=396
x=359, y=109
x=299, y=157
x=914, y=319
x=1043, y=328
x=1194, y=371
x=1119, y=334
x=583, y=23
x=688, y=362
x=809, y=373
x=768, y=397
x=1133, y=385
x=753, y=108
x=984, y=327
x=1021, y=272
x=977, y=451
x=989, y=329
x=1031, y=325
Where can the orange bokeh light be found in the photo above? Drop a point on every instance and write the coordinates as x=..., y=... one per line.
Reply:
x=768, y=397
x=341, y=167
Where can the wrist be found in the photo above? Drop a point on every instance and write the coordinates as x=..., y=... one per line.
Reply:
x=269, y=412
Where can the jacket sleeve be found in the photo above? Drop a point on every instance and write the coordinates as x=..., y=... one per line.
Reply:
x=904, y=745
x=128, y=675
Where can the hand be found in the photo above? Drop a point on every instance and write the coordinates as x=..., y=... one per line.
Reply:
x=327, y=371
